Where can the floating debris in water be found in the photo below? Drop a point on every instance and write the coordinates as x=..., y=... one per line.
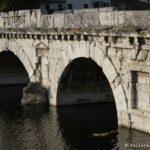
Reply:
x=103, y=134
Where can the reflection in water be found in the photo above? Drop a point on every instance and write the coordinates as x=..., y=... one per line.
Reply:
x=80, y=127
x=68, y=128
x=29, y=128
x=88, y=126
x=38, y=127
x=10, y=95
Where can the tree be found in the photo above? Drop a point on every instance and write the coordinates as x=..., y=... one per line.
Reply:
x=8, y=5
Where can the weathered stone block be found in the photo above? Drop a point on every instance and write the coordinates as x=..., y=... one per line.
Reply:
x=33, y=18
x=78, y=20
x=109, y=70
x=137, y=19
x=59, y=20
x=90, y=19
x=47, y=21
x=133, y=54
x=117, y=81
x=142, y=55
x=106, y=18
x=119, y=17
x=69, y=21
x=27, y=20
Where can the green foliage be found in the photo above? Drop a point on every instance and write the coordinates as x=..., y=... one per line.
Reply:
x=8, y=5
x=4, y=4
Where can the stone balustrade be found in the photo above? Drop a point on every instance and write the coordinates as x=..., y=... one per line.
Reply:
x=76, y=19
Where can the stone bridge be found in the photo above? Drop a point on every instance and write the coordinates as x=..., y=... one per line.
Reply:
x=82, y=57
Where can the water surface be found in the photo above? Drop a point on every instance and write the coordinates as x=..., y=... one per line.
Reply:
x=79, y=127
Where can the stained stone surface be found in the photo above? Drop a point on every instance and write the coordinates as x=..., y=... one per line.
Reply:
x=88, y=18
x=34, y=93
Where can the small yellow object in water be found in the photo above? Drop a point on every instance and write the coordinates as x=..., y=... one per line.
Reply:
x=103, y=134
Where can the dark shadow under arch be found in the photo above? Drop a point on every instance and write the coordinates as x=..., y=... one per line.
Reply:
x=87, y=126
x=83, y=81
x=13, y=78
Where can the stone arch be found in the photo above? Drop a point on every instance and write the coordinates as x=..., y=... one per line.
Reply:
x=17, y=50
x=110, y=72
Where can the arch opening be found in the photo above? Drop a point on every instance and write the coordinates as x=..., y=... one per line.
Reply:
x=13, y=78
x=83, y=81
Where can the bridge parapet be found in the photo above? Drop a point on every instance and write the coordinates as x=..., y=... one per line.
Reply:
x=76, y=19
